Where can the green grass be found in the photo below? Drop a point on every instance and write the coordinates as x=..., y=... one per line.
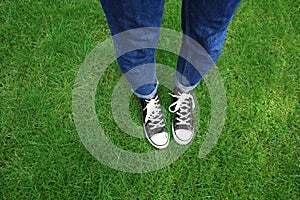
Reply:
x=43, y=44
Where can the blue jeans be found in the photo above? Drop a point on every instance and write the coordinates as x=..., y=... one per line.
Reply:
x=204, y=21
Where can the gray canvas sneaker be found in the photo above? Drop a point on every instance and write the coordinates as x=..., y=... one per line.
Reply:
x=182, y=124
x=153, y=122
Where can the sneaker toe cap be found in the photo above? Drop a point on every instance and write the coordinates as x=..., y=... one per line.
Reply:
x=184, y=136
x=161, y=140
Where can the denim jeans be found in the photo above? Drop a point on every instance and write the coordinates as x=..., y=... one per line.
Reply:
x=204, y=21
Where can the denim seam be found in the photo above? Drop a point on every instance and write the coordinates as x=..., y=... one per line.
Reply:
x=187, y=25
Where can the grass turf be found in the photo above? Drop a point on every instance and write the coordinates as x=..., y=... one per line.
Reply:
x=43, y=44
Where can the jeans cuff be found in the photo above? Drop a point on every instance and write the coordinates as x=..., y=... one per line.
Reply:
x=148, y=96
x=184, y=88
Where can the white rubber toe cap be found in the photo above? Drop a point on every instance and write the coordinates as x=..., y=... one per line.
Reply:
x=183, y=136
x=160, y=140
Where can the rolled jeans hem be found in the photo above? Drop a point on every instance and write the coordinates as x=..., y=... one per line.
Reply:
x=184, y=88
x=148, y=96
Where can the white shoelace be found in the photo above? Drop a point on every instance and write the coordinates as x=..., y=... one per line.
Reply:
x=183, y=105
x=154, y=115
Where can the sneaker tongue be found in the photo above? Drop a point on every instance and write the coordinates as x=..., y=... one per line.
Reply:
x=184, y=114
x=185, y=105
x=154, y=115
x=183, y=109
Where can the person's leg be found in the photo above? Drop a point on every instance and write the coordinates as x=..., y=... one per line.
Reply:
x=137, y=65
x=135, y=26
x=206, y=22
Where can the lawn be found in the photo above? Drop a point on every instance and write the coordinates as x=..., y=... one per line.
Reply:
x=44, y=43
